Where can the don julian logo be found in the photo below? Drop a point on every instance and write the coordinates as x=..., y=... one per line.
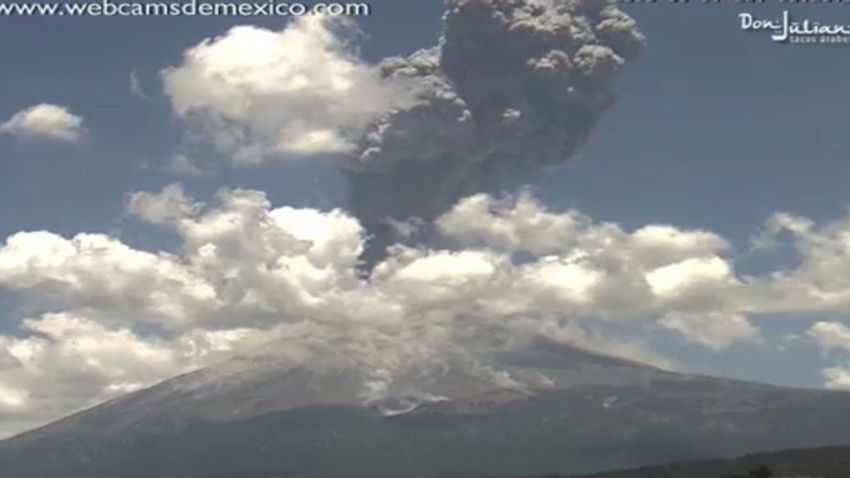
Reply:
x=788, y=29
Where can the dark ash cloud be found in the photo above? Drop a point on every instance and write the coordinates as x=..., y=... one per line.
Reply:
x=514, y=86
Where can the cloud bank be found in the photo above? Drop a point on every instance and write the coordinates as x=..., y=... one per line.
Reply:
x=108, y=318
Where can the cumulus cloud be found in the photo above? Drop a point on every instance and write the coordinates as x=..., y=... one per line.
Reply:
x=837, y=377
x=159, y=208
x=102, y=276
x=714, y=329
x=831, y=335
x=255, y=94
x=521, y=223
x=45, y=122
x=515, y=225
x=247, y=273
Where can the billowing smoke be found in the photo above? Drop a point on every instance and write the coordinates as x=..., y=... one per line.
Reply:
x=514, y=86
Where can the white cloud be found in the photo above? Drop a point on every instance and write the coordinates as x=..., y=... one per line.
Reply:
x=698, y=282
x=595, y=267
x=169, y=205
x=715, y=329
x=831, y=335
x=106, y=278
x=256, y=94
x=837, y=377
x=661, y=244
x=522, y=224
x=45, y=122
x=572, y=281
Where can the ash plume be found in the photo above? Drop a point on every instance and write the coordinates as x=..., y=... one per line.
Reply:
x=514, y=86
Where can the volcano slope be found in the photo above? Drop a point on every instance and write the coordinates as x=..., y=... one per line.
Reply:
x=254, y=418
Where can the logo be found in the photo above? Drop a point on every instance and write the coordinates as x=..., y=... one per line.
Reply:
x=791, y=30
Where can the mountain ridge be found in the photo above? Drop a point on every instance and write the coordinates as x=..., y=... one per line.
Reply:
x=591, y=413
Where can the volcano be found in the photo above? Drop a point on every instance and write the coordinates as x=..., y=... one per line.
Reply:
x=253, y=417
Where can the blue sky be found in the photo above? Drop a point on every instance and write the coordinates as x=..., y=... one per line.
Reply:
x=715, y=129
